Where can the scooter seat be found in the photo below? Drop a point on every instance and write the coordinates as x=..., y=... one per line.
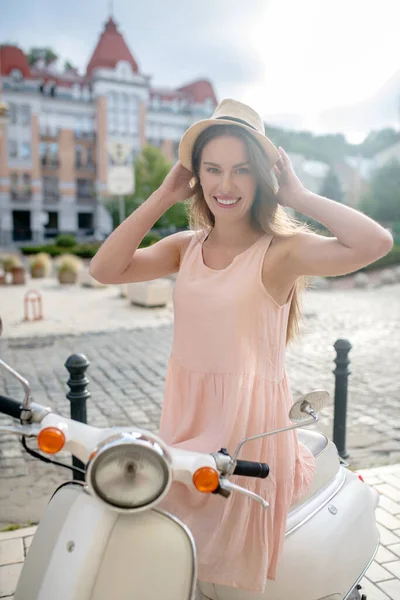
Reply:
x=315, y=441
x=327, y=462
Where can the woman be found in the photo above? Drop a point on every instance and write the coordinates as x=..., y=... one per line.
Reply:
x=236, y=304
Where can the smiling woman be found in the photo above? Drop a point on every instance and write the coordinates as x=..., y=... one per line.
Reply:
x=240, y=270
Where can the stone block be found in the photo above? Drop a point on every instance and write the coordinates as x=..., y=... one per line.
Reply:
x=11, y=551
x=387, y=277
x=9, y=575
x=86, y=280
x=150, y=294
x=361, y=280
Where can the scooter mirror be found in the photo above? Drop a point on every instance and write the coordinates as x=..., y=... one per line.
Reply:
x=308, y=404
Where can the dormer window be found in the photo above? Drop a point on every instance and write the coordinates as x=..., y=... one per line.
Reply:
x=16, y=75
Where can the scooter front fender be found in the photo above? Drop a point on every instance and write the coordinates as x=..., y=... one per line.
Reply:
x=82, y=550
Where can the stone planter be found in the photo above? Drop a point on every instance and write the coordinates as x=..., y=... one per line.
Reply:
x=86, y=280
x=18, y=275
x=151, y=294
x=38, y=272
x=67, y=277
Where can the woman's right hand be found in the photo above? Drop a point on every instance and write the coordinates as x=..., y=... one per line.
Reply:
x=175, y=186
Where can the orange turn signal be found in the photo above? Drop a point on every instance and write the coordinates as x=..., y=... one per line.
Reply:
x=206, y=480
x=51, y=440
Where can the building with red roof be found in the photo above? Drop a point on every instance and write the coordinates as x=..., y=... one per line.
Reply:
x=54, y=163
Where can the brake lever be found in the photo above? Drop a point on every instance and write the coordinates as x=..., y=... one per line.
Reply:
x=232, y=487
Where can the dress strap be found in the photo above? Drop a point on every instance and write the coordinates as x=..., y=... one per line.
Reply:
x=197, y=239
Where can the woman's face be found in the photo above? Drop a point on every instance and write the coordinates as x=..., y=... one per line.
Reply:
x=229, y=186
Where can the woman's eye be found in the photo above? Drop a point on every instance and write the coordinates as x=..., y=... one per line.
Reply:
x=212, y=170
x=243, y=170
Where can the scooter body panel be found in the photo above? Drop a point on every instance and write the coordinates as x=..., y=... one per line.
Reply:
x=82, y=550
x=325, y=556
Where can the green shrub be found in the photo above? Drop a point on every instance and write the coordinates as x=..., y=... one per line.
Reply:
x=149, y=239
x=65, y=241
x=82, y=250
x=52, y=250
x=86, y=250
x=27, y=250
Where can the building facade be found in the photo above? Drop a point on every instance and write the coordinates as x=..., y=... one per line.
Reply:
x=53, y=148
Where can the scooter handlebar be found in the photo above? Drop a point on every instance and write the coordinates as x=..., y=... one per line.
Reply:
x=10, y=407
x=250, y=468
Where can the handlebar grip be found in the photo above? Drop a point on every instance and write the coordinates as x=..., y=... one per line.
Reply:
x=250, y=468
x=11, y=407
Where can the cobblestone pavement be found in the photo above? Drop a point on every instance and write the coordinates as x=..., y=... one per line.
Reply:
x=127, y=375
x=382, y=580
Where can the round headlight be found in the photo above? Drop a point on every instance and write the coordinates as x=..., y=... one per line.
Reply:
x=130, y=471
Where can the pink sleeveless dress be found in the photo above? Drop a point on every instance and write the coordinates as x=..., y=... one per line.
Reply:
x=226, y=380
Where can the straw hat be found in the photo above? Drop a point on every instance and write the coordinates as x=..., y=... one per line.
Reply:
x=228, y=112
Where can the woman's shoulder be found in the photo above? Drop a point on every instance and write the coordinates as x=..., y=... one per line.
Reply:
x=188, y=237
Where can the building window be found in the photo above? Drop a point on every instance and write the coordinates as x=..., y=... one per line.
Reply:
x=27, y=184
x=85, y=188
x=25, y=150
x=78, y=126
x=50, y=188
x=89, y=157
x=25, y=114
x=12, y=148
x=52, y=222
x=14, y=185
x=12, y=112
x=51, y=227
x=43, y=152
x=85, y=220
x=16, y=74
x=49, y=154
x=78, y=156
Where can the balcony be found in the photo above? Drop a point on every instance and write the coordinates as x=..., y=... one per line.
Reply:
x=85, y=198
x=85, y=135
x=51, y=197
x=50, y=133
x=90, y=166
x=21, y=195
x=49, y=162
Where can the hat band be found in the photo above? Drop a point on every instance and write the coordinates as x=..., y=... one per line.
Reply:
x=237, y=121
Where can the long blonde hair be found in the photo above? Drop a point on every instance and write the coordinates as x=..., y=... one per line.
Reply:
x=266, y=213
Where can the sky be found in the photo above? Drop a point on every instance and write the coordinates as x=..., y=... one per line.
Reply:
x=291, y=60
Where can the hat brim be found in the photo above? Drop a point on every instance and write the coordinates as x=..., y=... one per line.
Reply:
x=190, y=136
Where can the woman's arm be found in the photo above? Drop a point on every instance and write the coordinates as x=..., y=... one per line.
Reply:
x=358, y=239
x=118, y=260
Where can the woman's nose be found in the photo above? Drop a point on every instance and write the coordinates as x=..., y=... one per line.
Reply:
x=226, y=184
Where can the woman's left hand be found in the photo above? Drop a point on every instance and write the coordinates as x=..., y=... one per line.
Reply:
x=290, y=185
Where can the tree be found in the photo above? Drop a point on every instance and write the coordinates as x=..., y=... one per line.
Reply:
x=151, y=168
x=68, y=66
x=376, y=141
x=382, y=202
x=45, y=53
x=331, y=187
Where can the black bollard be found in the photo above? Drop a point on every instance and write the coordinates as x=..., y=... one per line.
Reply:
x=76, y=365
x=342, y=373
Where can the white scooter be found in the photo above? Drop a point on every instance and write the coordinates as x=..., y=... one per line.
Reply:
x=105, y=538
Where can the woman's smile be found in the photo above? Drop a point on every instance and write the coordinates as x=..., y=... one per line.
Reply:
x=227, y=201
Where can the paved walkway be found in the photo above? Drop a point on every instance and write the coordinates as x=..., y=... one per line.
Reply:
x=382, y=581
x=128, y=367
x=128, y=350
